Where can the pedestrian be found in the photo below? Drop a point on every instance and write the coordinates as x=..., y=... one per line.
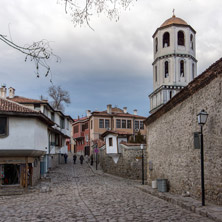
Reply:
x=74, y=158
x=91, y=160
x=65, y=157
x=81, y=159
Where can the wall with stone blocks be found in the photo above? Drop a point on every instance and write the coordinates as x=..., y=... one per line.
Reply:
x=171, y=150
x=128, y=166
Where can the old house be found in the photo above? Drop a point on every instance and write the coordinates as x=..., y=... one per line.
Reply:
x=23, y=142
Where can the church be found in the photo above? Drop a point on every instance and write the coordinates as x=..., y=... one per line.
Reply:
x=179, y=94
x=175, y=64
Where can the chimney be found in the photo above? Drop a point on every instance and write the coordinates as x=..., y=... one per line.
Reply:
x=11, y=92
x=135, y=111
x=125, y=109
x=109, y=109
x=3, y=91
x=88, y=113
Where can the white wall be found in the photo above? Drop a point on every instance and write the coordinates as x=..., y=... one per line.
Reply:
x=111, y=149
x=25, y=133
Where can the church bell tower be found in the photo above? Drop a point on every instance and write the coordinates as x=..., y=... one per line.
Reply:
x=175, y=64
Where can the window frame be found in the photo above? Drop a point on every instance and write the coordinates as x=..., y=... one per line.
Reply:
x=166, y=39
x=107, y=121
x=180, y=40
x=110, y=141
x=118, y=120
x=101, y=123
x=166, y=69
x=182, y=68
x=6, y=133
x=129, y=124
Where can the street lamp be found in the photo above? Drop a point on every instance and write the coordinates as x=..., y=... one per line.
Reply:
x=141, y=146
x=202, y=119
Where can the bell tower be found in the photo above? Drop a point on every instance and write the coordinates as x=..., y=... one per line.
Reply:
x=175, y=64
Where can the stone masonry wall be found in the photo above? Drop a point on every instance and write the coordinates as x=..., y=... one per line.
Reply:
x=36, y=173
x=128, y=166
x=171, y=150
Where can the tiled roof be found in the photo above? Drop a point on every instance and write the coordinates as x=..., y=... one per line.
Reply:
x=115, y=132
x=11, y=106
x=174, y=20
x=198, y=83
x=20, y=99
x=104, y=113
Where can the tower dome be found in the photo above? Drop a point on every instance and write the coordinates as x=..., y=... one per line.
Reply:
x=173, y=21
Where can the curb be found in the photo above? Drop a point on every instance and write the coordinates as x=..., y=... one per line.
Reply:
x=210, y=211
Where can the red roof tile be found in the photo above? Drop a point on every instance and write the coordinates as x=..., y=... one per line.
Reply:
x=11, y=106
x=20, y=99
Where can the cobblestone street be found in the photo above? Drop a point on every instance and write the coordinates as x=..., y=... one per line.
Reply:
x=76, y=193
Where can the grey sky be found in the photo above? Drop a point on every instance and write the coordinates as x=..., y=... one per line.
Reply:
x=111, y=65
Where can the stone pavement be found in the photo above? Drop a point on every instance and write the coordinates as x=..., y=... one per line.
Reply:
x=77, y=193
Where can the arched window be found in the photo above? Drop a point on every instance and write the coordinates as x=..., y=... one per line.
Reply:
x=156, y=73
x=166, y=39
x=181, y=68
x=156, y=44
x=180, y=38
x=193, y=70
x=191, y=41
x=166, y=69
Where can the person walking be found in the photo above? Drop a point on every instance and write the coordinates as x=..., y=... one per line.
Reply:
x=81, y=159
x=65, y=157
x=91, y=160
x=74, y=158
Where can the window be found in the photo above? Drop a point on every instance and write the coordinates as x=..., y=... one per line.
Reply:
x=180, y=38
x=193, y=71
x=62, y=123
x=166, y=39
x=91, y=124
x=86, y=125
x=124, y=124
x=166, y=69
x=3, y=126
x=141, y=125
x=136, y=124
x=156, y=73
x=107, y=123
x=156, y=44
x=118, y=123
x=182, y=68
x=67, y=121
x=101, y=123
x=76, y=129
x=52, y=117
x=128, y=124
x=110, y=141
x=191, y=41
x=37, y=106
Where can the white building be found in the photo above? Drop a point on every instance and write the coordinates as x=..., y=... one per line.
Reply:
x=175, y=64
x=23, y=143
x=58, y=135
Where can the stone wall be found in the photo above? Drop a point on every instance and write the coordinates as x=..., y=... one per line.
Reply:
x=128, y=165
x=54, y=161
x=170, y=142
x=36, y=173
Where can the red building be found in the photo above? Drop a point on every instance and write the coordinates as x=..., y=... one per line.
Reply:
x=81, y=136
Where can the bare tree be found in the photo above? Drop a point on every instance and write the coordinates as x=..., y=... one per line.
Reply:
x=59, y=97
x=82, y=10
x=38, y=52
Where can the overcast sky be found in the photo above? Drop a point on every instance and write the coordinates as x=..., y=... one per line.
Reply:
x=111, y=65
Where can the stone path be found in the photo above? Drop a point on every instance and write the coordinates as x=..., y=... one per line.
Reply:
x=75, y=193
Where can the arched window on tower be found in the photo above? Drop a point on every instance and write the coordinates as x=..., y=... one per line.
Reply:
x=191, y=41
x=156, y=73
x=193, y=67
x=181, y=68
x=180, y=38
x=156, y=44
x=166, y=69
x=166, y=39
